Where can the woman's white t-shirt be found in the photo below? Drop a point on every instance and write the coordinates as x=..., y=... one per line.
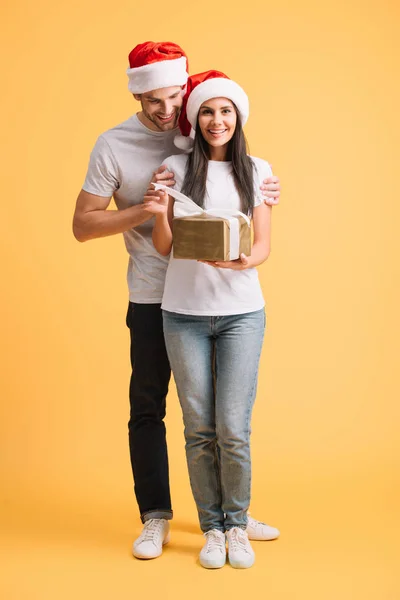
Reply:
x=193, y=288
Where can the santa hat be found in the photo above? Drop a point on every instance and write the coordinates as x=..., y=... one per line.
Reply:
x=202, y=87
x=155, y=65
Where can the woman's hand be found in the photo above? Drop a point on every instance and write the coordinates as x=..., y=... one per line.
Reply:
x=243, y=262
x=156, y=202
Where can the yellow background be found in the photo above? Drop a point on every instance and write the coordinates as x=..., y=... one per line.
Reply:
x=323, y=80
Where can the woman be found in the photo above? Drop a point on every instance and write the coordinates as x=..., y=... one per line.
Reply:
x=213, y=313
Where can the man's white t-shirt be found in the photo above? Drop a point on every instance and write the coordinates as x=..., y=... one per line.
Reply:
x=194, y=288
x=121, y=165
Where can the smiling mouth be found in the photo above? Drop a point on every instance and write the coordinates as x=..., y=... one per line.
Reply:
x=217, y=132
x=167, y=118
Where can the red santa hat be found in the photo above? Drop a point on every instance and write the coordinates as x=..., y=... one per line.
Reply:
x=155, y=65
x=202, y=87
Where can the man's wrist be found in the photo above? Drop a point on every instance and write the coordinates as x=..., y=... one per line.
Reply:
x=139, y=213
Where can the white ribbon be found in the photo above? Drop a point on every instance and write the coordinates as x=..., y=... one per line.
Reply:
x=185, y=207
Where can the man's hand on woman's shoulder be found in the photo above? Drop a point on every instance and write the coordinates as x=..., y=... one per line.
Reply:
x=163, y=176
x=271, y=190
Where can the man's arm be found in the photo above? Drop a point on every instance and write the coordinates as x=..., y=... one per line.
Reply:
x=93, y=220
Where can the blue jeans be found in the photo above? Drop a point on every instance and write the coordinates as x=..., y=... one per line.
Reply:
x=215, y=364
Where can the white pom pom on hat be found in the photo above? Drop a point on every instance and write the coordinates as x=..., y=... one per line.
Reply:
x=184, y=142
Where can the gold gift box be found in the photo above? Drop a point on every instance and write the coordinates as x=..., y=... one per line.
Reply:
x=207, y=237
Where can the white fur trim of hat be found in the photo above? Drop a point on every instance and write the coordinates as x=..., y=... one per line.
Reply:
x=217, y=87
x=156, y=75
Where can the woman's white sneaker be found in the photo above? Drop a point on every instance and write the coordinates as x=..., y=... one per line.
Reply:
x=241, y=554
x=150, y=542
x=213, y=553
x=257, y=530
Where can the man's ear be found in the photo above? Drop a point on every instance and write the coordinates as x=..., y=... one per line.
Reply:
x=137, y=97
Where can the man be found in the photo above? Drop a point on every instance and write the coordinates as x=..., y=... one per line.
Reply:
x=122, y=163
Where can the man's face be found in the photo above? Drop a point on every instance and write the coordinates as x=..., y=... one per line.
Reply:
x=161, y=107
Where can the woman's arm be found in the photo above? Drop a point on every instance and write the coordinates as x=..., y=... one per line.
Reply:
x=162, y=232
x=160, y=204
x=262, y=235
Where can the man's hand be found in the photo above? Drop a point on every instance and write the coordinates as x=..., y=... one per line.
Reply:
x=271, y=190
x=155, y=202
x=243, y=262
x=163, y=176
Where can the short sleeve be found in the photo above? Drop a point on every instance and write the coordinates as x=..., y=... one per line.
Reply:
x=102, y=175
x=262, y=171
x=177, y=165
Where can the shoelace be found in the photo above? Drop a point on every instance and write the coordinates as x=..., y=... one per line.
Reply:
x=152, y=528
x=214, y=541
x=254, y=523
x=238, y=539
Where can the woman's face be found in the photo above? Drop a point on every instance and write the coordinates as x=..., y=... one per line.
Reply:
x=217, y=121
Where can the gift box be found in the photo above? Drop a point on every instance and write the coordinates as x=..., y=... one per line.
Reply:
x=216, y=234
x=209, y=237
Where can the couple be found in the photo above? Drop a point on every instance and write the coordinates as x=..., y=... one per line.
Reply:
x=215, y=313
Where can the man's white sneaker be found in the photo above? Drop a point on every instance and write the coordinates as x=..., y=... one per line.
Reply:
x=154, y=535
x=241, y=554
x=213, y=553
x=257, y=530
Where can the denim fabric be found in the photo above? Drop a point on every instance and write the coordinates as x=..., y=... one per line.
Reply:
x=147, y=393
x=215, y=365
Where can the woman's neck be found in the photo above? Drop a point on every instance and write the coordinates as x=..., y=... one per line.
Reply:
x=218, y=153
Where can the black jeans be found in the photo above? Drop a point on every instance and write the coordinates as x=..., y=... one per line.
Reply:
x=147, y=393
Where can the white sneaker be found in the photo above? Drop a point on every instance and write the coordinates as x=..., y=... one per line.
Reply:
x=154, y=535
x=257, y=530
x=241, y=554
x=213, y=553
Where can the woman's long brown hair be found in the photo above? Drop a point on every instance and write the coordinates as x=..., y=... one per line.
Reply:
x=194, y=183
